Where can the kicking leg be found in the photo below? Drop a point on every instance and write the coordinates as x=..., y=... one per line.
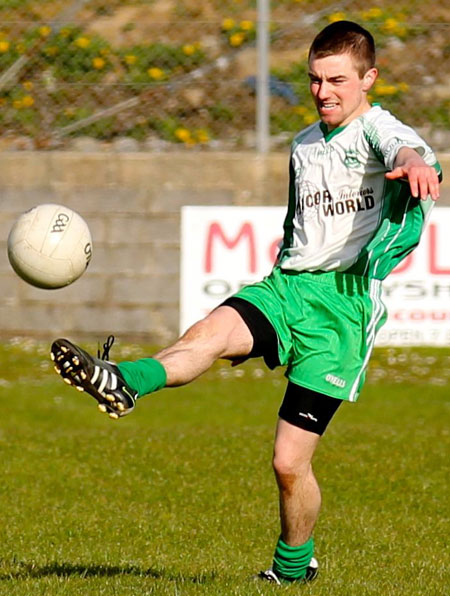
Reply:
x=222, y=334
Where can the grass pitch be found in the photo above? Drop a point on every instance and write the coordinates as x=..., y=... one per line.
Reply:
x=179, y=498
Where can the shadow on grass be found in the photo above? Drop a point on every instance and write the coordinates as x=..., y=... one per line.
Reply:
x=23, y=570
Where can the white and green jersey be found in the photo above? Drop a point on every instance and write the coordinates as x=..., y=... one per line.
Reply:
x=343, y=214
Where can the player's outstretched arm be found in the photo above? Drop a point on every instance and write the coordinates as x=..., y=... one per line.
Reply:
x=423, y=179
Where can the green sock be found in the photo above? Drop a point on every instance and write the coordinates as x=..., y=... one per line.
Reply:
x=144, y=375
x=290, y=562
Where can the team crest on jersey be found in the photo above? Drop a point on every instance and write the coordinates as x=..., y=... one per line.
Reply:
x=351, y=159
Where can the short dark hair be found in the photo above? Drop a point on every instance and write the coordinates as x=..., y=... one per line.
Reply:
x=343, y=37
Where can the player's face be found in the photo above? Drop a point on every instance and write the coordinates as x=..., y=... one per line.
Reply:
x=340, y=94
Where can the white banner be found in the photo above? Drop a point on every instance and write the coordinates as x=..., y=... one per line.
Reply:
x=223, y=248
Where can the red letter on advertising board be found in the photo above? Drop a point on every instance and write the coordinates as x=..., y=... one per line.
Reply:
x=434, y=267
x=215, y=231
x=274, y=249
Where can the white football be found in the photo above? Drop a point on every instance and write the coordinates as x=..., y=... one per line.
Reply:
x=49, y=246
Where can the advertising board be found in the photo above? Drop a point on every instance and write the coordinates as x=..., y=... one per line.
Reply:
x=223, y=248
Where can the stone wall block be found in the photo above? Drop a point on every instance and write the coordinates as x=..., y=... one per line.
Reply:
x=24, y=170
x=156, y=290
x=88, y=289
x=144, y=228
x=132, y=204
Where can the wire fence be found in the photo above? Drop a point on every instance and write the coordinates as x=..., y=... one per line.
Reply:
x=165, y=74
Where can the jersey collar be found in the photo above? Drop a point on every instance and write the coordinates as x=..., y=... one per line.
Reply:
x=329, y=134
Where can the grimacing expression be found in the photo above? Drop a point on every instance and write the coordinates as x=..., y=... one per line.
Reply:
x=339, y=92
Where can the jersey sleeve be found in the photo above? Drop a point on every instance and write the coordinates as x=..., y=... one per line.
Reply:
x=388, y=135
x=288, y=225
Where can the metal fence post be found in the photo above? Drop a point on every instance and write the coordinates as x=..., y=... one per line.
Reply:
x=262, y=86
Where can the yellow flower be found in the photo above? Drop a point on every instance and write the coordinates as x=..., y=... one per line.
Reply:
x=155, y=73
x=83, y=42
x=188, y=49
x=27, y=101
x=373, y=13
x=390, y=25
x=202, y=135
x=17, y=103
x=336, y=16
x=236, y=39
x=385, y=89
x=4, y=46
x=246, y=25
x=228, y=24
x=403, y=87
x=183, y=135
x=45, y=31
x=28, y=85
x=130, y=59
x=51, y=50
x=98, y=63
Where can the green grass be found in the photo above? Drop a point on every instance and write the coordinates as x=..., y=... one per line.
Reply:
x=179, y=498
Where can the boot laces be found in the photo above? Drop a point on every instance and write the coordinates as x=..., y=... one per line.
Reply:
x=106, y=348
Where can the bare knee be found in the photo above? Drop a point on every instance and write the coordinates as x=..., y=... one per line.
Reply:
x=290, y=471
x=293, y=452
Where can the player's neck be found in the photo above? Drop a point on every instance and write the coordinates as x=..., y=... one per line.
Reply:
x=365, y=107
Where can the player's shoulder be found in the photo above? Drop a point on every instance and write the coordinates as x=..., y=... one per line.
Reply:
x=381, y=128
x=379, y=117
x=386, y=134
x=310, y=134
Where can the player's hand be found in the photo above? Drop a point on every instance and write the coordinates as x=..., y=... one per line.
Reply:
x=423, y=180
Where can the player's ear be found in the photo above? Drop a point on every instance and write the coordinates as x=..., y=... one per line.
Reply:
x=369, y=78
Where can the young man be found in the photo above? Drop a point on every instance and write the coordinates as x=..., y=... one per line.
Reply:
x=361, y=183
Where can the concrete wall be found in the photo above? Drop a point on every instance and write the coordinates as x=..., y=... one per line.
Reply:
x=132, y=204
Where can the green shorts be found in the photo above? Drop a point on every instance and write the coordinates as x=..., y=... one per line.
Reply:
x=326, y=323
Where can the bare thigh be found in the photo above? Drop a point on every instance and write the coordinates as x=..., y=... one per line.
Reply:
x=222, y=334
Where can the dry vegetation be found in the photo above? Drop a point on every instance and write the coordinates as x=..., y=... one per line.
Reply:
x=176, y=71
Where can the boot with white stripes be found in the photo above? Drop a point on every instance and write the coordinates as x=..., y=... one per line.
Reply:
x=311, y=573
x=97, y=376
